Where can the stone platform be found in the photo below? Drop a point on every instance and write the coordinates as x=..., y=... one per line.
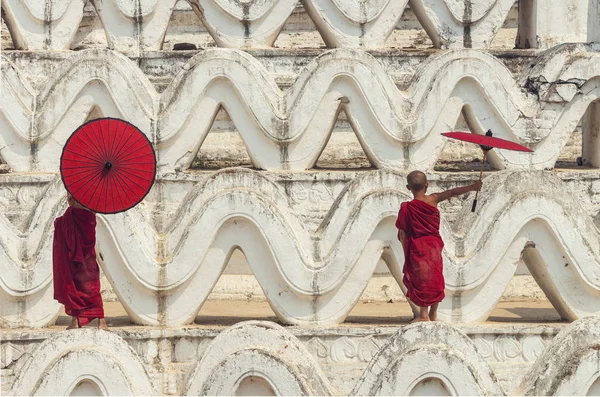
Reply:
x=500, y=353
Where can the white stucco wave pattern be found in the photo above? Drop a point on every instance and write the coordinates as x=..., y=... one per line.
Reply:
x=288, y=130
x=137, y=26
x=163, y=275
x=277, y=362
x=257, y=349
x=67, y=359
x=426, y=351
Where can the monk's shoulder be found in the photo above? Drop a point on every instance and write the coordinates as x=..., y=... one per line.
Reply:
x=431, y=199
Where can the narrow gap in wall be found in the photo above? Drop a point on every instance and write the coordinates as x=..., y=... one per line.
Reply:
x=594, y=389
x=254, y=385
x=570, y=156
x=8, y=206
x=4, y=167
x=237, y=296
x=343, y=149
x=383, y=300
x=6, y=42
x=430, y=386
x=95, y=113
x=223, y=146
x=299, y=31
x=238, y=281
x=459, y=156
x=523, y=300
x=506, y=37
x=526, y=27
x=590, y=134
x=523, y=287
x=90, y=33
x=185, y=31
x=409, y=33
x=86, y=387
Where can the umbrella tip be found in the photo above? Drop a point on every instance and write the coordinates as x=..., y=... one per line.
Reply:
x=488, y=133
x=108, y=165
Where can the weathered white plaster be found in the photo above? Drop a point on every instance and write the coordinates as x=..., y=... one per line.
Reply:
x=63, y=361
x=288, y=130
x=257, y=349
x=355, y=24
x=570, y=365
x=427, y=350
x=172, y=356
x=163, y=272
x=313, y=239
x=464, y=23
x=244, y=24
x=545, y=23
x=135, y=26
x=42, y=25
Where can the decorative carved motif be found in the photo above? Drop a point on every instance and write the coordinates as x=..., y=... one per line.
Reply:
x=509, y=348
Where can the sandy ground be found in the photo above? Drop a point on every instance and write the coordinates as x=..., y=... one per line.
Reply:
x=228, y=312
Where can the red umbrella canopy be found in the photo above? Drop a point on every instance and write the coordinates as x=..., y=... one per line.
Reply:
x=108, y=165
x=487, y=141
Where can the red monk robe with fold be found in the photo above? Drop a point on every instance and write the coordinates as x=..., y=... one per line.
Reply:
x=76, y=272
x=423, y=266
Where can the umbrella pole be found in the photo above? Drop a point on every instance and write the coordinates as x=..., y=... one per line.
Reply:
x=485, y=152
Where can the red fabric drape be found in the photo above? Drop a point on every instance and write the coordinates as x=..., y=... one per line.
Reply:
x=423, y=265
x=76, y=272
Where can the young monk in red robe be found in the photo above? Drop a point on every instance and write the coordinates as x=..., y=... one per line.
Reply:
x=76, y=272
x=419, y=231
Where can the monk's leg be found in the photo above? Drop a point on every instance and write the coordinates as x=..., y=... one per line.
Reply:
x=73, y=324
x=423, y=315
x=433, y=312
x=102, y=323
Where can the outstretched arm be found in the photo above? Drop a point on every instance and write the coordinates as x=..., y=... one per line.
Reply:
x=457, y=191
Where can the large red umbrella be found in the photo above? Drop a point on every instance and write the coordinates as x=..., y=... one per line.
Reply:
x=108, y=165
x=487, y=142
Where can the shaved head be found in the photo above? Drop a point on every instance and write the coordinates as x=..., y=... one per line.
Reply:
x=416, y=181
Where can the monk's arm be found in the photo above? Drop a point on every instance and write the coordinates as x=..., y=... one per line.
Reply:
x=457, y=191
x=401, y=236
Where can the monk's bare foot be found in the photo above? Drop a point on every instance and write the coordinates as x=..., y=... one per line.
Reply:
x=73, y=324
x=422, y=316
x=102, y=324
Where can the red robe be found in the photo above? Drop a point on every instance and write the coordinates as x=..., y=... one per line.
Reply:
x=423, y=265
x=76, y=272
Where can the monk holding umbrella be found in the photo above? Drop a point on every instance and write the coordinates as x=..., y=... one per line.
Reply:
x=419, y=230
x=107, y=166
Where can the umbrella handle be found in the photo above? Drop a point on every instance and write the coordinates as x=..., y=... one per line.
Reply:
x=474, y=206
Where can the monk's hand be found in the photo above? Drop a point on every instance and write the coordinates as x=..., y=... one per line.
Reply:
x=477, y=186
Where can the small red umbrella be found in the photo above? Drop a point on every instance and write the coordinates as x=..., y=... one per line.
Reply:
x=108, y=165
x=487, y=142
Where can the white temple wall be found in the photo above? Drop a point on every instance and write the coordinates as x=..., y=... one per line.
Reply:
x=285, y=130
x=503, y=360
